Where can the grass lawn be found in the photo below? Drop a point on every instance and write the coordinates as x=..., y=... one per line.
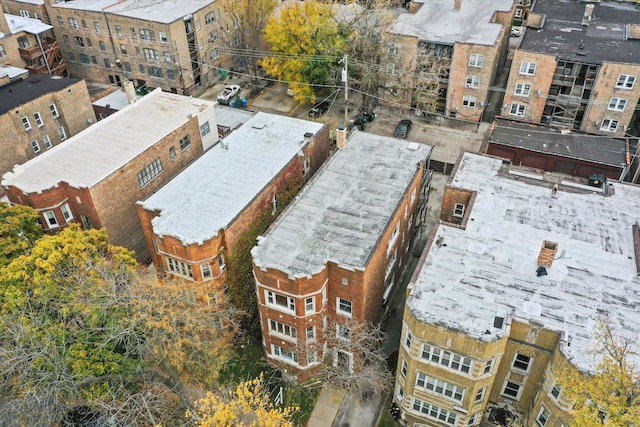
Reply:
x=385, y=418
x=249, y=362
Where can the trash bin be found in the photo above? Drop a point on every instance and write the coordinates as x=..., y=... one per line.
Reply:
x=243, y=102
x=233, y=103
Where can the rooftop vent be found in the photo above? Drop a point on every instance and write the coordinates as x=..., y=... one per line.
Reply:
x=498, y=322
x=588, y=14
x=547, y=253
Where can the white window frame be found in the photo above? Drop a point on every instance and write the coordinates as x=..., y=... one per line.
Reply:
x=408, y=340
x=437, y=386
x=287, y=356
x=179, y=268
x=150, y=172
x=517, y=15
x=508, y=395
x=488, y=366
x=205, y=129
x=392, y=69
x=35, y=145
x=271, y=299
x=469, y=101
x=339, y=310
x=555, y=391
x=50, y=217
x=528, y=68
x=522, y=89
x=343, y=333
x=445, y=358
x=309, y=305
x=310, y=333
x=543, y=416
x=403, y=368
x=47, y=142
x=609, y=125
x=306, y=166
x=62, y=133
x=473, y=419
x=163, y=37
x=625, y=81
x=517, y=359
x=38, y=118
x=205, y=270
x=517, y=110
x=617, y=104
x=393, y=238
x=473, y=82
x=480, y=394
x=283, y=330
x=54, y=111
x=458, y=210
x=428, y=409
x=476, y=60
x=26, y=123
x=66, y=212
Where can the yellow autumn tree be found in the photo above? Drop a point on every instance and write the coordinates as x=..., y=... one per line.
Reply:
x=610, y=396
x=305, y=42
x=248, y=405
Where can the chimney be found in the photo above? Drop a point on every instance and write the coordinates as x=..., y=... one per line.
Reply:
x=547, y=253
x=341, y=137
x=130, y=91
x=457, y=4
x=308, y=136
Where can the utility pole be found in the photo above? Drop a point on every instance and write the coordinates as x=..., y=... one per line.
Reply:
x=346, y=92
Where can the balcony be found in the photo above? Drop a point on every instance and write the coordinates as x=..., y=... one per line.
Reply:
x=36, y=61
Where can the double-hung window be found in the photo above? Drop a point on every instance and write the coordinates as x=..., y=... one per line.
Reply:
x=527, y=68
x=38, y=119
x=26, y=123
x=476, y=60
x=473, y=82
x=282, y=329
x=50, y=217
x=469, y=101
x=66, y=212
x=309, y=305
x=522, y=363
x=617, y=104
x=625, y=81
x=280, y=302
x=179, y=268
x=35, y=145
x=543, y=416
x=517, y=110
x=609, y=125
x=344, y=307
x=522, y=89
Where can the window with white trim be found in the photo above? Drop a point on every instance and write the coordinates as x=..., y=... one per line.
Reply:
x=38, y=118
x=179, y=268
x=403, y=368
x=476, y=60
x=205, y=269
x=391, y=263
x=473, y=82
x=440, y=387
x=617, y=104
x=311, y=333
x=26, y=123
x=149, y=172
x=306, y=166
x=543, y=416
x=469, y=101
x=556, y=390
x=54, y=111
x=435, y=412
x=408, y=340
x=474, y=419
x=343, y=332
x=517, y=110
x=344, y=307
x=3, y=52
x=527, y=68
x=147, y=35
x=47, y=142
x=73, y=23
x=309, y=305
x=282, y=329
x=50, y=217
x=488, y=367
x=280, y=302
x=96, y=25
x=512, y=390
x=35, y=145
x=480, y=395
x=66, y=212
x=345, y=281
x=522, y=89
x=446, y=358
x=521, y=363
x=458, y=210
x=517, y=15
x=392, y=69
x=625, y=81
x=312, y=357
x=393, y=238
x=609, y=125
x=205, y=129
x=221, y=263
x=163, y=37
x=62, y=133
x=284, y=354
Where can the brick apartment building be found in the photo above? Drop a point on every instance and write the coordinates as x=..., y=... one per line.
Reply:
x=338, y=248
x=176, y=46
x=444, y=55
x=29, y=43
x=39, y=113
x=577, y=68
x=96, y=177
x=193, y=223
x=509, y=290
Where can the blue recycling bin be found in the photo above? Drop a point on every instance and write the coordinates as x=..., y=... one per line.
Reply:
x=233, y=103
x=243, y=102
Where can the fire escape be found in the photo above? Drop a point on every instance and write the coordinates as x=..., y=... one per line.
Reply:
x=44, y=58
x=432, y=77
x=193, y=51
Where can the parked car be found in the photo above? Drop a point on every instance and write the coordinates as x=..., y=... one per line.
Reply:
x=319, y=109
x=515, y=32
x=228, y=93
x=363, y=118
x=403, y=128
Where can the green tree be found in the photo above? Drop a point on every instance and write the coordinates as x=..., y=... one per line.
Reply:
x=610, y=396
x=19, y=229
x=84, y=336
x=305, y=41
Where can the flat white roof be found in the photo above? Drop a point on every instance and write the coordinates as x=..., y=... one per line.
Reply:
x=437, y=21
x=163, y=11
x=116, y=100
x=12, y=72
x=95, y=153
x=210, y=193
x=340, y=215
x=232, y=117
x=29, y=25
x=471, y=276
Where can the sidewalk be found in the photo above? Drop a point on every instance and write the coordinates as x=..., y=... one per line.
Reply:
x=327, y=407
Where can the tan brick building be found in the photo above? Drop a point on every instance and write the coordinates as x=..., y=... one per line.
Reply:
x=338, y=249
x=193, y=223
x=577, y=68
x=39, y=113
x=444, y=56
x=96, y=177
x=509, y=289
x=176, y=46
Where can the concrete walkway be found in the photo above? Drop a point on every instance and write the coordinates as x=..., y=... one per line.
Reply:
x=327, y=407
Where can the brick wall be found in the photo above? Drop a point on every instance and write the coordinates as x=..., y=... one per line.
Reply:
x=450, y=198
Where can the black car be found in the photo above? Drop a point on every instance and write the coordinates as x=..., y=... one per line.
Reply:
x=363, y=118
x=319, y=109
x=403, y=128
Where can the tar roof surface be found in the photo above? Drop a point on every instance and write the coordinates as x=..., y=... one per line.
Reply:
x=101, y=149
x=437, y=21
x=543, y=139
x=209, y=194
x=340, y=215
x=602, y=40
x=489, y=269
x=20, y=92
